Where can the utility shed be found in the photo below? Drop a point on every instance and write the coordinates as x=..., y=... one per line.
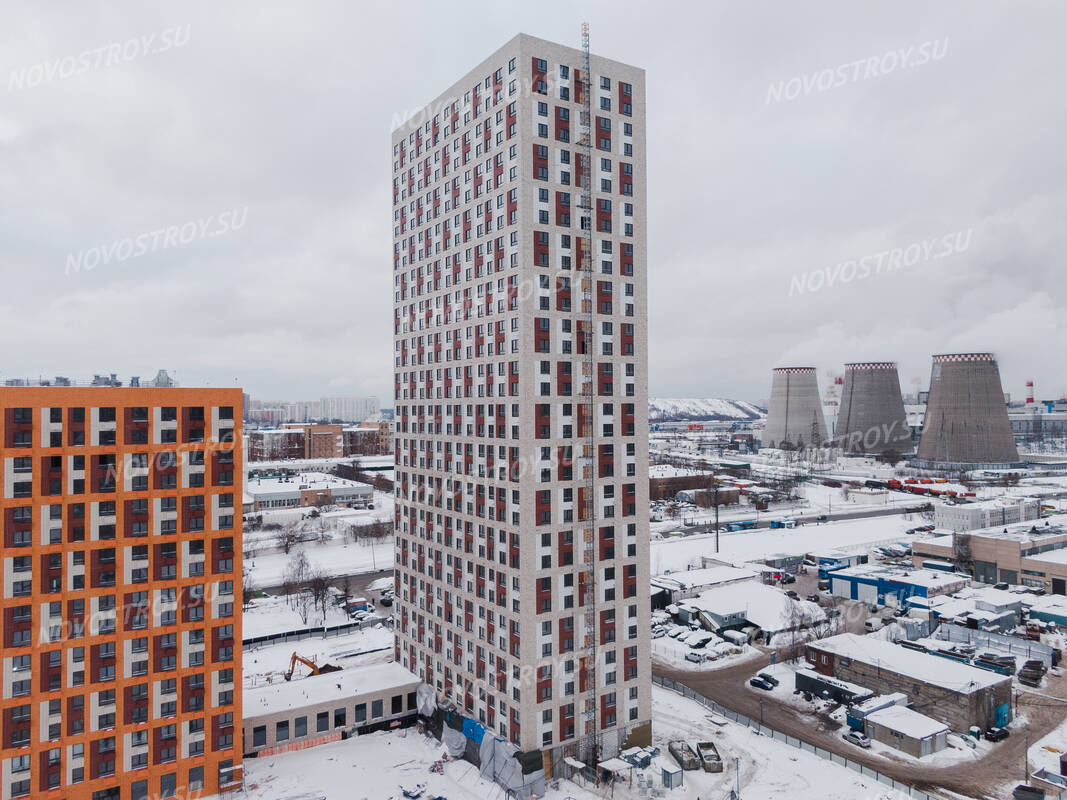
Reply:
x=907, y=730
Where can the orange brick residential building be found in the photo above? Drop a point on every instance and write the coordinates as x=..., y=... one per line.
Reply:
x=120, y=592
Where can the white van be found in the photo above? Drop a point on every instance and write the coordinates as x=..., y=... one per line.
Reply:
x=873, y=624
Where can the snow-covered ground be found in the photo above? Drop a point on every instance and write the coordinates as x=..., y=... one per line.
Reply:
x=680, y=553
x=377, y=766
x=267, y=615
x=1045, y=752
x=336, y=557
x=268, y=663
x=265, y=564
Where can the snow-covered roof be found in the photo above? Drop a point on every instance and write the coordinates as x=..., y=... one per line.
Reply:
x=321, y=481
x=1050, y=604
x=931, y=579
x=762, y=605
x=693, y=578
x=910, y=723
x=882, y=700
x=1051, y=556
x=270, y=698
x=930, y=669
x=671, y=471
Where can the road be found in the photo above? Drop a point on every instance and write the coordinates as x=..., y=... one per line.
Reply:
x=728, y=687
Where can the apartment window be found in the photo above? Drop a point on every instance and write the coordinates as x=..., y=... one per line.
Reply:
x=281, y=731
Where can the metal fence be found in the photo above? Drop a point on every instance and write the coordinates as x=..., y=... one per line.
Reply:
x=800, y=744
x=997, y=641
x=312, y=633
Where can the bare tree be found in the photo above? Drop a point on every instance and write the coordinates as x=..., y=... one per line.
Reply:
x=286, y=537
x=296, y=574
x=319, y=585
x=304, y=603
x=247, y=590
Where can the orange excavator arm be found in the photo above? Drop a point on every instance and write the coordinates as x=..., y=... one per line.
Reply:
x=305, y=661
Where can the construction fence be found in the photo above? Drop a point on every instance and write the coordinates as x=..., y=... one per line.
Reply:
x=319, y=632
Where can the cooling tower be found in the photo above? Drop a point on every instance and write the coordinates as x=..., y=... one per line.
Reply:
x=966, y=415
x=794, y=415
x=871, y=417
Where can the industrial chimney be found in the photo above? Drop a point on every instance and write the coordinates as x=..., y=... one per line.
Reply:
x=794, y=417
x=966, y=417
x=872, y=419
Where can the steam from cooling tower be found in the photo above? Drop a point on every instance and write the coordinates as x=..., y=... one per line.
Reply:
x=794, y=417
x=966, y=413
x=871, y=419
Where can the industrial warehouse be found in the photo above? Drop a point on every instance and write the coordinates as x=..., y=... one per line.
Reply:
x=956, y=694
x=1030, y=553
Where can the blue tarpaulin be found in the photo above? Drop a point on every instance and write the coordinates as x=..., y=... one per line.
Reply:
x=473, y=730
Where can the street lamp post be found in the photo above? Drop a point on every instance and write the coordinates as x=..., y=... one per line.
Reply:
x=761, y=713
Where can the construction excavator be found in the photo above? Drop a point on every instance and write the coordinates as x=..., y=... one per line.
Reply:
x=307, y=662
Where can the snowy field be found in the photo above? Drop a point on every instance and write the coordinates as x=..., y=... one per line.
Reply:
x=265, y=564
x=268, y=663
x=378, y=766
x=267, y=615
x=680, y=553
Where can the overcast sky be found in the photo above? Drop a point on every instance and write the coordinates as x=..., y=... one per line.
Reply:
x=786, y=140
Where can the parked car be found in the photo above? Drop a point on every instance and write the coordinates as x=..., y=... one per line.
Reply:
x=674, y=633
x=386, y=600
x=821, y=518
x=824, y=585
x=996, y=734
x=873, y=624
x=857, y=738
x=658, y=633
x=812, y=598
x=760, y=683
x=769, y=678
x=1002, y=585
x=787, y=578
x=792, y=593
x=696, y=657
